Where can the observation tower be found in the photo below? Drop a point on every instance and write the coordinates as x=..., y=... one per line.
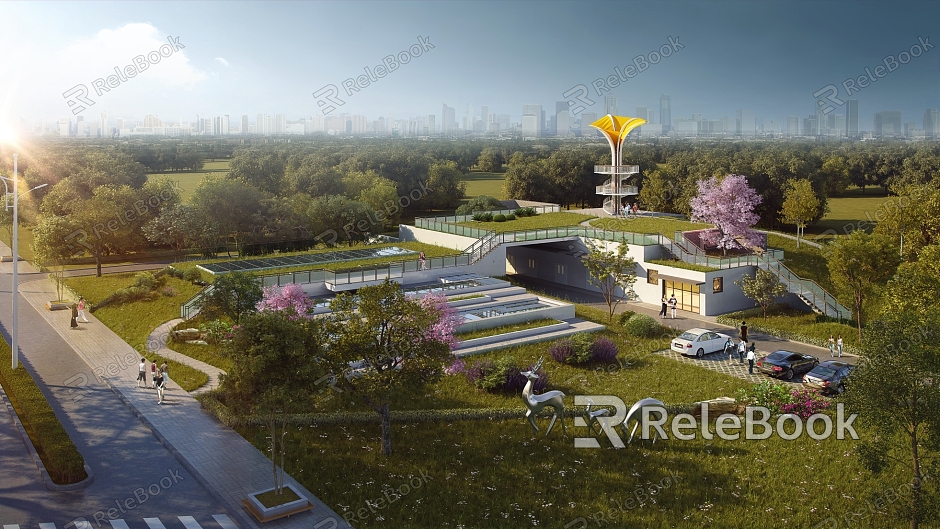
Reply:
x=615, y=129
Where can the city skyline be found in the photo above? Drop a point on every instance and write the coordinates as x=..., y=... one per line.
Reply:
x=182, y=66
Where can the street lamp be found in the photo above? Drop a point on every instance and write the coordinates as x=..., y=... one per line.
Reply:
x=16, y=256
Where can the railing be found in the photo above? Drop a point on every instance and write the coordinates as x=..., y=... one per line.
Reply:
x=616, y=169
x=807, y=288
x=609, y=190
x=191, y=306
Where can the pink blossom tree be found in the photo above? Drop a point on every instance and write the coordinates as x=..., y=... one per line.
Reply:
x=448, y=319
x=289, y=297
x=729, y=205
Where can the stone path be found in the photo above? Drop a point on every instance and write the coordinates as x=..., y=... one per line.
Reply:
x=719, y=362
x=156, y=343
x=221, y=460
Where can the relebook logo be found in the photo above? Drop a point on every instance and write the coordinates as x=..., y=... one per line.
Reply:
x=653, y=422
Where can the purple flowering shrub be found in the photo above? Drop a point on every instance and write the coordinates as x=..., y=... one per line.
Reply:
x=604, y=350
x=581, y=349
x=805, y=402
x=501, y=375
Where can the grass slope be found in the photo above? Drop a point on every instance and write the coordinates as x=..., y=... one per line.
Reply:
x=481, y=183
x=188, y=180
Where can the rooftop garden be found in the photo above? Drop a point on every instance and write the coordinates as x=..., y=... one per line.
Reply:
x=537, y=222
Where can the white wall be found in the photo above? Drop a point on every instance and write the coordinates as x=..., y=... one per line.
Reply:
x=447, y=240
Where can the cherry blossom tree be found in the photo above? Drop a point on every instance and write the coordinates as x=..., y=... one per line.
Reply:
x=289, y=297
x=729, y=205
x=448, y=319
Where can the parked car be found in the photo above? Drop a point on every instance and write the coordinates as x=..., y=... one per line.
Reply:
x=786, y=365
x=699, y=342
x=828, y=377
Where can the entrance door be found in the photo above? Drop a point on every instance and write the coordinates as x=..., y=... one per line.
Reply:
x=687, y=294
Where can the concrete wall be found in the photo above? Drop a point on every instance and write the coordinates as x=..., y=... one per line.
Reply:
x=447, y=240
x=731, y=298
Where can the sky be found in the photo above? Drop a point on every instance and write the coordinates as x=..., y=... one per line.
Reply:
x=243, y=57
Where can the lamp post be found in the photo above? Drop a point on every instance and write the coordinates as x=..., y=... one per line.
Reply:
x=16, y=258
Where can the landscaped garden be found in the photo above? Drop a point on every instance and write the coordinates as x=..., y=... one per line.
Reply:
x=537, y=222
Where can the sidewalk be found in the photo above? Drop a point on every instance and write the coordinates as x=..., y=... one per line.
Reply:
x=224, y=463
x=156, y=343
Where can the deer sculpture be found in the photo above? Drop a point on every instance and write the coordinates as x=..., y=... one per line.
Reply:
x=535, y=403
x=636, y=413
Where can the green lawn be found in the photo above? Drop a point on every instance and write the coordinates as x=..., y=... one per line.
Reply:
x=807, y=262
x=481, y=183
x=653, y=225
x=503, y=329
x=25, y=236
x=846, y=212
x=538, y=222
x=134, y=322
x=188, y=180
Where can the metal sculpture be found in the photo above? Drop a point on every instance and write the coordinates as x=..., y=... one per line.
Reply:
x=656, y=409
x=590, y=417
x=535, y=403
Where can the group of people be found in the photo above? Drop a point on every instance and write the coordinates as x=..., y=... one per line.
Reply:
x=835, y=345
x=671, y=304
x=742, y=349
x=158, y=377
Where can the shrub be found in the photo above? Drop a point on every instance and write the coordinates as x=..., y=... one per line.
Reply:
x=510, y=217
x=625, y=316
x=604, y=350
x=561, y=350
x=516, y=381
x=192, y=275
x=805, y=402
x=480, y=203
x=501, y=375
x=641, y=326
x=216, y=331
x=174, y=272
x=575, y=349
x=520, y=212
x=486, y=216
x=148, y=281
x=499, y=217
x=168, y=291
x=768, y=394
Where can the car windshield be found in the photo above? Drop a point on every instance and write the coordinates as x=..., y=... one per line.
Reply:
x=778, y=355
x=688, y=336
x=820, y=371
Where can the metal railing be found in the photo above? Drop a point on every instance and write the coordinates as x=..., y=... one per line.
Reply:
x=809, y=289
x=608, y=189
x=616, y=169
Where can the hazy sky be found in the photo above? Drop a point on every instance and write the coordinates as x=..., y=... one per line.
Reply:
x=270, y=57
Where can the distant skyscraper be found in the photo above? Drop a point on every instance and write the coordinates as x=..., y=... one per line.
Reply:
x=665, y=112
x=851, y=118
x=432, y=128
x=225, y=125
x=810, y=125
x=887, y=123
x=105, y=130
x=532, y=120
x=587, y=130
x=793, y=126
x=485, y=117
x=645, y=113
x=746, y=123
x=931, y=123
x=448, y=120
x=610, y=105
x=65, y=126
x=244, y=124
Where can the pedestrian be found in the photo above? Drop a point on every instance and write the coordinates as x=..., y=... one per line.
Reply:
x=635, y=208
x=673, y=304
x=729, y=349
x=81, y=309
x=160, y=384
x=662, y=310
x=744, y=331
x=421, y=259
x=153, y=374
x=74, y=323
x=839, y=345
x=142, y=372
x=165, y=371
x=742, y=346
x=750, y=359
x=832, y=346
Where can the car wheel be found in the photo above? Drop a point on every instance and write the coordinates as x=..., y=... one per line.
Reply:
x=700, y=353
x=789, y=374
x=840, y=389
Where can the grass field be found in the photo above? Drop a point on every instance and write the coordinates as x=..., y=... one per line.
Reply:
x=188, y=180
x=847, y=211
x=538, y=222
x=652, y=225
x=480, y=183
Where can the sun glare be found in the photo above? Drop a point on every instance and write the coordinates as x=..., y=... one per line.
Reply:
x=7, y=133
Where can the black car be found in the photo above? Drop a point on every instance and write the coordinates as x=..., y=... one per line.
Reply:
x=828, y=377
x=786, y=365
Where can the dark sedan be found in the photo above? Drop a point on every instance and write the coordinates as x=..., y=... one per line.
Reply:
x=828, y=377
x=786, y=365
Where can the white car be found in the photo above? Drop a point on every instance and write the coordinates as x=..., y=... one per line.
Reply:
x=699, y=342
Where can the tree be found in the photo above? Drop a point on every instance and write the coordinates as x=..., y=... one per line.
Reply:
x=274, y=374
x=914, y=216
x=102, y=230
x=54, y=243
x=232, y=295
x=895, y=393
x=230, y=204
x=800, y=205
x=490, y=161
x=336, y=217
x=290, y=298
x=390, y=341
x=609, y=271
x=480, y=203
x=176, y=227
x=445, y=188
x=764, y=288
x=915, y=286
x=729, y=205
x=858, y=263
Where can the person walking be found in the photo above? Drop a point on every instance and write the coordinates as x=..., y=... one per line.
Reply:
x=673, y=304
x=729, y=349
x=153, y=374
x=662, y=310
x=744, y=331
x=742, y=346
x=142, y=373
x=832, y=346
x=750, y=359
x=165, y=371
x=160, y=384
x=422, y=259
x=74, y=323
x=81, y=309
x=839, y=345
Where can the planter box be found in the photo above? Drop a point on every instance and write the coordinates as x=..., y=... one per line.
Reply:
x=58, y=305
x=9, y=259
x=265, y=514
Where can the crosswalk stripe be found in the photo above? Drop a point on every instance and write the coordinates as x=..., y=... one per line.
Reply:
x=154, y=523
x=119, y=524
x=82, y=524
x=11, y=526
x=189, y=522
x=47, y=526
x=223, y=520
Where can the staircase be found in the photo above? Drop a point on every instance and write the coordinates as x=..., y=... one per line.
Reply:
x=815, y=296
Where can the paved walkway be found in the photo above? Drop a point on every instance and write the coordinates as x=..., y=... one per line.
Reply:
x=224, y=463
x=156, y=343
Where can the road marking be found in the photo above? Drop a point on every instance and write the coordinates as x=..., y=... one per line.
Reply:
x=189, y=522
x=11, y=526
x=119, y=524
x=224, y=521
x=154, y=523
x=47, y=526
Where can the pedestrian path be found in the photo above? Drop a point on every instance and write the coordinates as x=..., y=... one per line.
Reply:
x=220, y=521
x=156, y=343
x=226, y=464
